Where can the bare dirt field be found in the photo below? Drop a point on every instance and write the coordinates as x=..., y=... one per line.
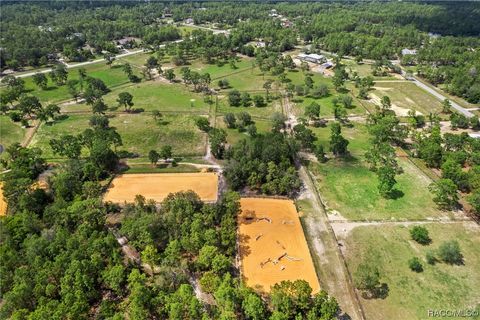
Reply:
x=158, y=186
x=272, y=245
x=3, y=204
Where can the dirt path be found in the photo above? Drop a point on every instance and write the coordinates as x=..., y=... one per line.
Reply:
x=328, y=259
x=330, y=264
x=30, y=133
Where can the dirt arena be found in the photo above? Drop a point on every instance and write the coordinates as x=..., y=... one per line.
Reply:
x=158, y=186
x=272, y=245
x=3, y=204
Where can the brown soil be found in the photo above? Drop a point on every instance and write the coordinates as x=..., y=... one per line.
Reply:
x=272, y=245
x=158, y=186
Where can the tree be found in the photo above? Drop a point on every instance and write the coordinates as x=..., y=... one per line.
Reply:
x=229, y=119
x=203, y=124
x=446, y=106
x=99, y=107
x=82, y=75
x=338, y=144
x=169, y=75
x=153, y=156
x=49, y=112
x=304, y=135
x=127, y=68
x=420, y=235
x=346, y=101
x=109, y=58
x=244, y=119
x=217, y=138
x=246, y=99
x=291, y=298
x=29, y=106
x=253, y=306
x=449, y=252
x=445, y=193
x=308, y=82
x=267, y=86
x=59, y=74
x=312, y=110
x=258, y=101
x=67, y=145
x=278, y=121
x=40, y=80
x=474, y=201
x=367, y=277
x=72, y=89
x=234, y=98
x=320, y=153
x=166, y=152
x=415, y=265
x=125, y=99
x=386, y=180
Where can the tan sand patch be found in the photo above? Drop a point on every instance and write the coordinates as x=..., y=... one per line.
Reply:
x=3, y=204
x=272, y=245
x=158, y=186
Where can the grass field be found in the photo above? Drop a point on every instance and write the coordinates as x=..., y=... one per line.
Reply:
x=158, y=186
x=411, y=294
x=139, y=132
x=156, y=95
x=349, y=187
x=272, y=245
x=10, y=132
x=407, y=95
x=160, y=168
x=112, y=77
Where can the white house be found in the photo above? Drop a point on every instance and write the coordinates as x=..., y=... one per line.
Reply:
x=312, y=57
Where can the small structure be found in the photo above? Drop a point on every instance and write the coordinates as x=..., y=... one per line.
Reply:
x=260, y=44
x=406, y=52
x=312, y=57
x=189, y=21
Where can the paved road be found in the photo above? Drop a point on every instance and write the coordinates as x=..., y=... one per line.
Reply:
x=75, y=65
x=441, y=97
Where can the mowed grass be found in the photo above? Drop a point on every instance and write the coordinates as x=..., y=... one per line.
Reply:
x=112, y=77
x=349, y=187
x=407, y=95
x=10, y=132
x=140, y=133
x=157, y=95
x=411, y=295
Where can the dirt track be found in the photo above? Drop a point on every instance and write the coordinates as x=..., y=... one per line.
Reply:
x=157, y=186
x=272, y=245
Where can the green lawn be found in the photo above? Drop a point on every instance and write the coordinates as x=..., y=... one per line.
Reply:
x=349, y=187
x=112, y=77
x=411, y=295
x=157, y=95
x=139, y=132
x=160, y=168
x=256, y=112
x=10, y=132
x=407, y=95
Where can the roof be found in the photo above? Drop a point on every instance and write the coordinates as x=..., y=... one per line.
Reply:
x=311, y=56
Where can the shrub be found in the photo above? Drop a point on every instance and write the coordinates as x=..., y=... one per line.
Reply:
x=415, y=264
x=430, y=256
x=449, y=252
x=420, y=235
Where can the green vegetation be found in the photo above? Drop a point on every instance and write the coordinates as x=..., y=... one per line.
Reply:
x=10, y=132
x=410, y=294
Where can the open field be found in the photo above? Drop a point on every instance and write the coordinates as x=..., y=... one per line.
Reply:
x=406, y=95
x=256, y=112
x=272, y=245
x=10, y=132
x=112, y=77
x=349, y=188
x=157, y=95
x=411, y=295
x=158, y=186
x=140, y=133
x=3, y=204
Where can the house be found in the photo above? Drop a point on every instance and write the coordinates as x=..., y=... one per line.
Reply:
x=189, y=21
x=312, y=57
x=260, y=44
x=406, y=52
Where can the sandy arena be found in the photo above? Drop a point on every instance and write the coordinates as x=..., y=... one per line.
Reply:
x=158, y=186
x=272, y=244
x=3, y=204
